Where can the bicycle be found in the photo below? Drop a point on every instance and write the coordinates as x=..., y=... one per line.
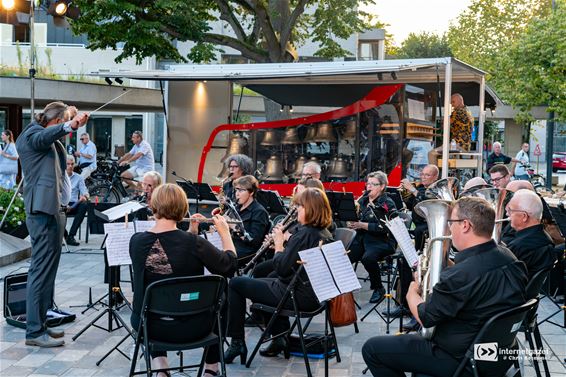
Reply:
x=109, y=189
x=538, y=181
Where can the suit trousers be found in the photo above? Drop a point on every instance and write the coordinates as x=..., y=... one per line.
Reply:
x=392, y=356
x=46, y=233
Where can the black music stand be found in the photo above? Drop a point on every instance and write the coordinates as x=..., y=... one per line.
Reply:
x=343, y=206
x=114, y=291
x=197, y=191
x=271, y=201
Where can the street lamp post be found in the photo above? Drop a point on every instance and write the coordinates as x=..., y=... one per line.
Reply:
x=32, y=57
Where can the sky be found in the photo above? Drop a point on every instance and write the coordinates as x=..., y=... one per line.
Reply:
x=414, y=16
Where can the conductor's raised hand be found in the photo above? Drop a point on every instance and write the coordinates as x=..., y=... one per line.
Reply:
x=79, y=121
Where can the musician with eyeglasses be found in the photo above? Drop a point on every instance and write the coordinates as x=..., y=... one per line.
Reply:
x=238, y=165
x=373, y=241
x=254, y=216
x=500, y=176
x=530, y=243
x=486, y=279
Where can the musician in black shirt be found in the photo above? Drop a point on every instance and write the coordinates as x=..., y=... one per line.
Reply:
x=315, y=215
x=238, y=165
x=253, y=215
x=485, y=280
x=164, y=252
x=373, y=242
x=530, y=244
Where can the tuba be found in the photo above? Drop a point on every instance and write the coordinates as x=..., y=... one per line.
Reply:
x=435, y=256
x=445, y=189
x=497, y=198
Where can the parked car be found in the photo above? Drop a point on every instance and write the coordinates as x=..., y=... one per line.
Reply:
x=558, y=161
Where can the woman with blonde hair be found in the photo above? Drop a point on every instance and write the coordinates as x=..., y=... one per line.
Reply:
x=164, y=252
x=315, y=216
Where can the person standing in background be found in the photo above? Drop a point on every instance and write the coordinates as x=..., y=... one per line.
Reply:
x=8, y=161
x=140, y=158
x=47, y=191
x=523, y=158
x=87, y=156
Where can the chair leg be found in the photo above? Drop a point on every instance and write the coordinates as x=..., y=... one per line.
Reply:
x=333, y=334
x=220, y=346
x=262, y=337
x=135, y=356
x=326, y=342
x=532, y=347
x=301, y=338
x=356, y=330
x=202, y=361
x=538, y=341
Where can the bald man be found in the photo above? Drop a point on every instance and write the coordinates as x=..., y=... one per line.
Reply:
x=530, y=244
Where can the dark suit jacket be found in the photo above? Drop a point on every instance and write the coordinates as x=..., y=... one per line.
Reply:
x=42, y=165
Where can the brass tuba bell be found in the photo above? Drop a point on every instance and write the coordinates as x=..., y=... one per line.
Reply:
x=445, y=189
x=271, y=138
x=325, y=133
x=497, y=198
x=273, y=169
x=291, y=136
x=350, y=132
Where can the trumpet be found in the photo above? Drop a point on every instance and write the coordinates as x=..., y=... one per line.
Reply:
x=406, y=194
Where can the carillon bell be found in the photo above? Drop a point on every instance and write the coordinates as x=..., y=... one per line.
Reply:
x=330, y=167
x=340, y=169
x=311, y=134
x=291, y=136
x=350, y=132
x=299, y=163
x=271, y=138
x=236, y=145
x=273, y=169
x=325, y=133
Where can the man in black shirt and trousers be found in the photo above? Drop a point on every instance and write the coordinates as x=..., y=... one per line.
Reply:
x=485, y=280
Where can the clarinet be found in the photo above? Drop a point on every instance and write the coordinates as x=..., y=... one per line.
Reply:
x=289, y=220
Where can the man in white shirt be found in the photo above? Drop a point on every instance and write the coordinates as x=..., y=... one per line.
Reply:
x=523, y=156
x=140, y=158
x=87, y=156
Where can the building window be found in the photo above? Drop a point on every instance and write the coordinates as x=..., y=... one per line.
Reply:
x=132, y=124
x=100, y=132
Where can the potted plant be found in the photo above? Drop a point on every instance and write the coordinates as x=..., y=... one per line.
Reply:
x=15, y=221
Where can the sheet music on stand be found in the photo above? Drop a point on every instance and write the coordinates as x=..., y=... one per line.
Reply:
x=116, y=212
x=118, y=237
x=401, y=234
x=329, y=270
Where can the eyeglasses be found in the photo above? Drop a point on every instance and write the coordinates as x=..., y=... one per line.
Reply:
x=498, y=179
x=239, y=189
x=511, y=210
x=82, y=138
x=307, y=175
x=373, y=184
x=452, y=221
x=233, y=166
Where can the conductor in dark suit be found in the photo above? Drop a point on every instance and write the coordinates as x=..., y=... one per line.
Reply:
x=47, y=191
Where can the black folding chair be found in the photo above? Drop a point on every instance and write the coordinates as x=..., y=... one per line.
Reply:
x=530, y=325
x=501, y=329
x=187, y=306
x=346, y=235
x=297, y=315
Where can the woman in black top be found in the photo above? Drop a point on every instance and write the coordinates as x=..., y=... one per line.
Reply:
x=253, y=215
x=238, y=165
x=315, y=215
x=164, y=252
x=373, y=242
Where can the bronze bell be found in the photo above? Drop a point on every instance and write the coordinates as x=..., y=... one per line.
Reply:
x=236, y=145
x=330, y=167
x=299, y=163
x=340, y=169
x=291, y=136
x=311, y=134
x=273, y=169
x=271, y=138
x=350, y=132
x=325, y=133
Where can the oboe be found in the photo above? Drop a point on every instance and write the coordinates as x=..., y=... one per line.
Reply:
x=289, y=220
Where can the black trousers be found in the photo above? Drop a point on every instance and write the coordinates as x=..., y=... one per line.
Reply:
x=370, y=255
x=392, y=356
x=79, y=212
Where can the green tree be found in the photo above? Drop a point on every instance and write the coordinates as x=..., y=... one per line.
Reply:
x=532, y=70
x=264, y=31
x=424, y=45
x=487, y=26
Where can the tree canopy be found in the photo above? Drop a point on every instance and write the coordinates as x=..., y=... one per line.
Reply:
x=423, y=45
x=487, y=26
x=532, y=70
x=261, y=30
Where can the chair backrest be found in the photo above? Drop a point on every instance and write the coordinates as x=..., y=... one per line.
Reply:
x=182, y=305
x=346, y=235
x=535, y=284
x=500, y=329
x=407, y=219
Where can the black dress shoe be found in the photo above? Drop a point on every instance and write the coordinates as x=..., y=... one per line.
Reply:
x=413, y=325
x=397, y=312
x=71, y=241
x=237, y=348
x=377, y=295
x=275, y=348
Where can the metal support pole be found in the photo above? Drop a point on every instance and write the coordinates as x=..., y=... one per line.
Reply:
x=32, y=57
x=549, y=148
x=446, y=124
x=481, y=121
